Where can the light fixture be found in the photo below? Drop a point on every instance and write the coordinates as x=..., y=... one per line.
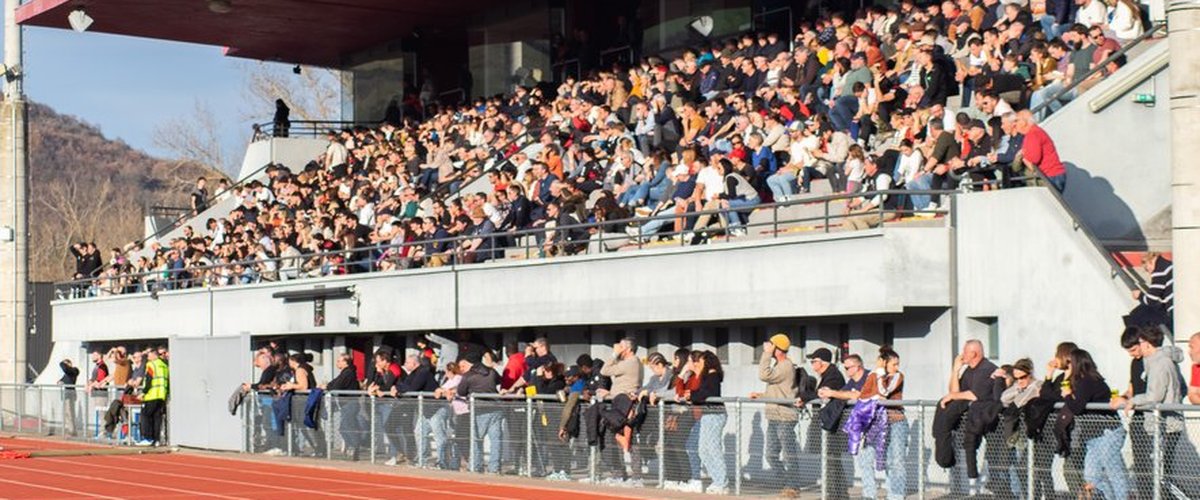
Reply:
x=79, y=20
x=703, y=25
x=220, y=6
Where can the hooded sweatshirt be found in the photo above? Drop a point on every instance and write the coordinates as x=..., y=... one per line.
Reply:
x=1164, y=384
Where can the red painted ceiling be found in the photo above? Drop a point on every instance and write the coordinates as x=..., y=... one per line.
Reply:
x=317, y=32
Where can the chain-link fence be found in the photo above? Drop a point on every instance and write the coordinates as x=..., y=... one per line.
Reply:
x=752, y=447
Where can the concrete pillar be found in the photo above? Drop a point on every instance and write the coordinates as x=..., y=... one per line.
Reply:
x=14, y=255
x=1183, y=18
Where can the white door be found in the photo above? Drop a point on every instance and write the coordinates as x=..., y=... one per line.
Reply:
x=204, y=373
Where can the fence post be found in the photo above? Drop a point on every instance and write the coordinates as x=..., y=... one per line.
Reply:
x=920, y=451
x=1, y=407
x=38, y=408
x=1029, y=454
x=529, y=437
x=371, y=433
x=62, y=401
x=592, y=460
x=328, y=426
x=737, y=454
x=422, y=446
x=287, y=424
x=824, y=464
x=20, y=393
x=471, y=435
x=1158, y=459
x=662, y=446
x=252, y=411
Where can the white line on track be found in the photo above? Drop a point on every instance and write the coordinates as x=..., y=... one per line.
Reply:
x=123, y=483
x=51, y=488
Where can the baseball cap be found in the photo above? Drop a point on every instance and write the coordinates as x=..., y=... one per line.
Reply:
x=822, y=354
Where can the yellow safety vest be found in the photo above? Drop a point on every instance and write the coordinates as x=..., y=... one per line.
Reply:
x=159, y=380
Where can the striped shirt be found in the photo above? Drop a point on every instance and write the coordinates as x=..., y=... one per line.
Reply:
x=1162, y=286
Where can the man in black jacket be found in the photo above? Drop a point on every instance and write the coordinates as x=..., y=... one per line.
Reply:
x=418, y=378
x=347, y=406
x=831, y=379
x=68, y=380
x=480, y=379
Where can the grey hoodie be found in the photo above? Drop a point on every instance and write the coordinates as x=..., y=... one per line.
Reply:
x=1164, y=385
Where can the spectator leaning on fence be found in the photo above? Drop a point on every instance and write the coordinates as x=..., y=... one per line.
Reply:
x=1164, y=385
x=1193, y=389
x=974, y=394
x=1100, y=430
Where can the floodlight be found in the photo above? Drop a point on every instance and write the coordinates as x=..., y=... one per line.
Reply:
x=703, y=25
x=79, y=20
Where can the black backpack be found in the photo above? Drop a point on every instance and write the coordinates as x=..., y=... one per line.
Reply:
x=804, y=383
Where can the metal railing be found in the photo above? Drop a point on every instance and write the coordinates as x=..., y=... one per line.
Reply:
x=743, y=446
x=538, y=242
x=187, y=214
x=1098, y=68
x=306, y=128
x=109, y=415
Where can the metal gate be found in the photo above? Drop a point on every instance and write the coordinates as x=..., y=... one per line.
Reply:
x=204, y=372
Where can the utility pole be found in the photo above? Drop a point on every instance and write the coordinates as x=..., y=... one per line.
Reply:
x=14, y=207
x=1183, y=28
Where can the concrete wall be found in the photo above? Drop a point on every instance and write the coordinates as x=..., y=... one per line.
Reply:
x=292, y=152
x=1021, y=261
x=1118, y=159
x=818, y=275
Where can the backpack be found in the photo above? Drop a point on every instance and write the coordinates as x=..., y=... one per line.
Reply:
x=803, y=382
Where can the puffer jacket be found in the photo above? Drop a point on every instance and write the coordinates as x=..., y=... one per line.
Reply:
x=780, y=378
x=867, y=425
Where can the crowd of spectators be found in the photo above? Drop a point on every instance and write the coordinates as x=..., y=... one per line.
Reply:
x=1006, y=413
x=932, y=97
x=115, y=380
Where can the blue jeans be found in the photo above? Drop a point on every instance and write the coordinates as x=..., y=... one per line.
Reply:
x=922, y=183
x=439, y=426
x=864, y=461
x=487, y=426
x=735, y=218
x=1103, y=465
x=350, y=427
x=692, y=445
x=1047, y=93
x=1059, y=182
x=897, y=453
x=712, y=449
x=635, y=195
x=424, y=427
x=782, y=184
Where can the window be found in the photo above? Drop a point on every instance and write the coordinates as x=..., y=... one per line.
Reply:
x=721, y=339
x=889, y=334
x=987, y=330
x=686, y=338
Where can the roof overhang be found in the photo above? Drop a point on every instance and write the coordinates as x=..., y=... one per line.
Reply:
x=314, y=32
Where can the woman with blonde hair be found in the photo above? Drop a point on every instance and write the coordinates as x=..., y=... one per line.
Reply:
x=1125, y=20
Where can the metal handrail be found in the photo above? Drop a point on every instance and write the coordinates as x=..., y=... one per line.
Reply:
x=453, y=242
x=212, y=200
x=311, y=128
x=1100, y=67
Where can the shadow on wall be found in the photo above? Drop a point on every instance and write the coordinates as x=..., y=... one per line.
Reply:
x=1106, y=214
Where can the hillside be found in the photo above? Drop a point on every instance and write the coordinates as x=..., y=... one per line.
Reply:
x=85, y=187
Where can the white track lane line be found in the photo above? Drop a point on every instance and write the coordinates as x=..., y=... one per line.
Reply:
x=124, y=483
x=60, y=490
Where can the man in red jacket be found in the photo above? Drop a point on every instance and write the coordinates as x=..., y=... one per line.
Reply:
x=1039, y=150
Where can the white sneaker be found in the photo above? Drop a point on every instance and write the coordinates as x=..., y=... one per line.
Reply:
x=144, y=443
x=273, y=452
x=693, y=486
x=390, y=462
x=716, y=491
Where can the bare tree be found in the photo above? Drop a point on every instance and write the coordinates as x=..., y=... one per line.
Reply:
x=194, y=138
x=313, y=94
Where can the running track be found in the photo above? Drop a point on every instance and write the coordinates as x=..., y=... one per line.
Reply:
x=181, y=475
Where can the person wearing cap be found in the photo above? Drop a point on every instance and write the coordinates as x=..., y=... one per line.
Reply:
x=829, y=379
x=778, y=372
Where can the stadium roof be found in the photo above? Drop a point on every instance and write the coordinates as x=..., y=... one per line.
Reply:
x=316, y=32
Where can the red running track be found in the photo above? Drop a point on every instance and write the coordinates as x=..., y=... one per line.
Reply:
x=195, y=476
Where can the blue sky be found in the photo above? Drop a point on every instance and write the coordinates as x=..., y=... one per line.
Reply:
x=127, y=86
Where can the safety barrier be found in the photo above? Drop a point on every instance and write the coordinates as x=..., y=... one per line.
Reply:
x=746, y=446
x=73, y=412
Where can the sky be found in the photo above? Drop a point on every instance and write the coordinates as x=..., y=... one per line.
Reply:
x=127, y=86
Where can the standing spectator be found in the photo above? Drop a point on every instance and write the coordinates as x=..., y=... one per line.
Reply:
x=1164, y=385
x=1022, y=387
x=1143, y=444
x=480, y=379
x=445, y=420
x=347, y=406
x=711, y=434
x=551, y=458
x=541, y=357
x=154, y=401
x=418, y=378
x=625, y=370
x=70, y=374
x=1101, y=433
x=282, y=120
x=973, y=391
x=830, y=378
x=778, y=372
x=98, y=379
x=199, y=197
x=87, y=260
x=515, y=368
x=864, y=461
